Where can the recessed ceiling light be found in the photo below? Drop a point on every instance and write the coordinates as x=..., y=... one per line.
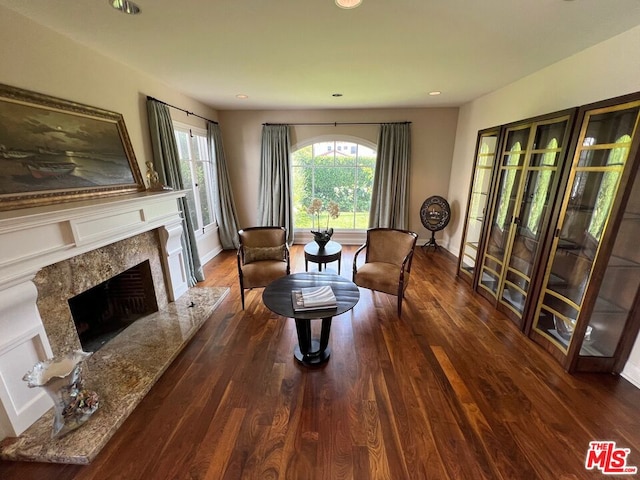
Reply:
x=125, y=6
x=347, y=4
x=336, y=94
x=434, y=93
x=242, y=96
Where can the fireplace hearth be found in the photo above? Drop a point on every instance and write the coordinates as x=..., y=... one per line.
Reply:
x=121, y=372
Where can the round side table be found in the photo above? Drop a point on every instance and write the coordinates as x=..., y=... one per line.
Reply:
x=331, y=252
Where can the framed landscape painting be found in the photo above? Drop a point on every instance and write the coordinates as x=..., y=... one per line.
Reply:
x=54, y=150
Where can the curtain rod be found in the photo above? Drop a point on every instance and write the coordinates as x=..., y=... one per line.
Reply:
x=335, y=124
x=181, y=109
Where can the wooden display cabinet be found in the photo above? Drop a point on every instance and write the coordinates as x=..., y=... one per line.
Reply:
x=531, y=158
x=588, y=309
x=478, y=203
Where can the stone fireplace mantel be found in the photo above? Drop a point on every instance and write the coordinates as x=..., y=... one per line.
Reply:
x=34, y=238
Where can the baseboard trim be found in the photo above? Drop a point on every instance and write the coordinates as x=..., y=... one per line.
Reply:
x=631, y=373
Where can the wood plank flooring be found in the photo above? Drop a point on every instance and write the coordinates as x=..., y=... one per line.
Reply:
x=451, y=390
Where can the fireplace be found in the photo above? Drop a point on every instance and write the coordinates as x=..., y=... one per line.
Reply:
x=53, y=253
x=103, y=311
x=86, y=276
x=57, y=252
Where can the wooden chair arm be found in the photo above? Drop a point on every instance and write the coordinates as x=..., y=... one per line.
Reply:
x=355, y=259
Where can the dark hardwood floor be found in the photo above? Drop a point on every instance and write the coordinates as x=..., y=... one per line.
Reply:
x=452, y=390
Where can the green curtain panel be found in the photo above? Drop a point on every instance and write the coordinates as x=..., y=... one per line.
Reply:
x=275, y=198
x=390, y=196
x=167, y=164
x=223, y=194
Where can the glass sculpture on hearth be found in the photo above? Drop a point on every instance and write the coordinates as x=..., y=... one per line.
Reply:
x=61, y=378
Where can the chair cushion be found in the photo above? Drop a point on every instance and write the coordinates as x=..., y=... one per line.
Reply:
x=257, y=254
x=389, y=246
x=262, y=273
x=381, y=276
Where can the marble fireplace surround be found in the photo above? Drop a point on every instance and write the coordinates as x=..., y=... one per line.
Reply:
x=50, y=253
x=59, y=282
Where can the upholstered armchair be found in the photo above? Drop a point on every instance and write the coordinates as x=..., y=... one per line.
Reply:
x=263, y=256
x=387, y=263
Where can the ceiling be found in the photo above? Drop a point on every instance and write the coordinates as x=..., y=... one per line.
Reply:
x=288, y=54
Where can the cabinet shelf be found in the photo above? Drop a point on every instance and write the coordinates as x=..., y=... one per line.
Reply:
x=466, y=267
x=579, y=208
x=514, y=297
x=577, y=252
x=557, y=282
x=605, y=306
x=588, y=349
x=565, y=244
x=527, y=235
x=619, y=262
x=564, y=291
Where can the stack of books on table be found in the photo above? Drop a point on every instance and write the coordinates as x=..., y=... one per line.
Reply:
x=313, y=298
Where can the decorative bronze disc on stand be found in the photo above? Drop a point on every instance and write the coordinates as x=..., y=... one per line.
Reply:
x=434, y=215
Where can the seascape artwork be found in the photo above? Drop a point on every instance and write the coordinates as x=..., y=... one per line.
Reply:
x=54, y=150
x=49, y=150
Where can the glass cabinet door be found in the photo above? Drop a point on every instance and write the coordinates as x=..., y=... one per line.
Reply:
x=583, y=292
x=478, y=202
x=530, y=213
x=512, y=157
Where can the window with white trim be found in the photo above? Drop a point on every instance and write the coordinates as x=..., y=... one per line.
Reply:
x=196, y=166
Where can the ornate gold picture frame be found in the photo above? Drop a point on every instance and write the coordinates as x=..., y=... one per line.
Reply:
x=54, y=150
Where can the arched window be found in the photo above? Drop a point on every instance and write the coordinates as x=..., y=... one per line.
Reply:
x=333, y=171
x=608, y=186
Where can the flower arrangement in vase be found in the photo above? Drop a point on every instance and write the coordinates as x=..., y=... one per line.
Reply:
x=322, y=236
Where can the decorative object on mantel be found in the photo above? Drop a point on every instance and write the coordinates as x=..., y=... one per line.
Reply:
x=155, y=185
x=322, y=237
x=54, y=150
x=61, y=378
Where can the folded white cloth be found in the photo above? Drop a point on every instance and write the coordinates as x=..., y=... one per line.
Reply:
x=318, y=296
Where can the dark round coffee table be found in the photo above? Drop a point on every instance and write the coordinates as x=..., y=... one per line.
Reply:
x=277, y=298
x=331, y=252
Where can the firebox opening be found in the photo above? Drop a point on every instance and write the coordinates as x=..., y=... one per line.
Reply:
x=103, y=311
